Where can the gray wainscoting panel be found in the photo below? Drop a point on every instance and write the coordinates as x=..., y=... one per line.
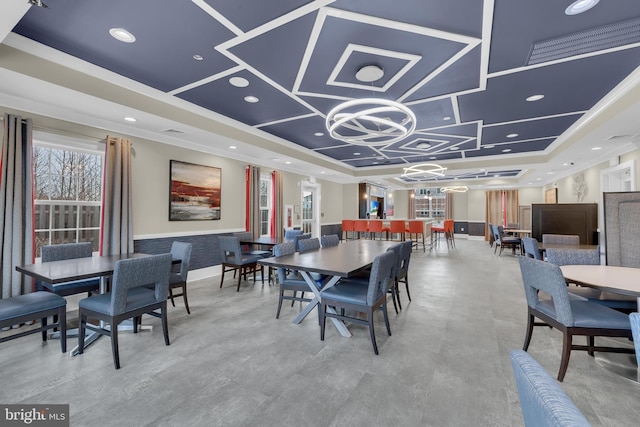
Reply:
x=205, y=253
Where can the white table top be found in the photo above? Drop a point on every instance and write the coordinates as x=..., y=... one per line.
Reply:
x=621, y=280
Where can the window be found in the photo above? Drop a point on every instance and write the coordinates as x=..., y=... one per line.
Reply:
x=67, y=192
x=430, y=203
x=265, y=204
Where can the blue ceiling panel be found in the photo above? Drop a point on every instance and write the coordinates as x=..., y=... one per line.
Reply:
x=462, y=75
x=458, y=16
x=374, y=162
x=249, y=14
x=301, y=131
x=433, y=113
x=551, y=127
x=275, y=53
x=220, y=96
x=568, y=87
x=448, y=155
x=349, y=152
x=158, y=57
x=511, y=43
x=469, y=130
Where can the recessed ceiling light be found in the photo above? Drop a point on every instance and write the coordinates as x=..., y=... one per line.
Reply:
x=369, y=73
x=506, y=150
x=423, y=145
x=550, y=173
x=122, y=35
x=446, y=118
x=454, y=148
x=375, y=163
x=482, y=170
x=538, y=179
x=596, y=148
x=288, y=162
x=356, y=154
x=130, y=119
x=432, y=158
x=535, y=98
x=512, y=135
x=198, y=57
x=580, y=6
x=489, y=146
x=496, y=176
x=232, y=147
x=322, y=172
x=239, y=82
x=252, y=99
x=319, y=134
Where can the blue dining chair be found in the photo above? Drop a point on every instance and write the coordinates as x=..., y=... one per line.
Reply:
x=634, y=319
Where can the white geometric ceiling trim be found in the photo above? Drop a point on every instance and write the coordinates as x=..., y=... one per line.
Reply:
x=206, y=80
x=534, y=119
x=456, y=108
x=218, y=17
x=285, y=120
x=323, y=13
x=352, y=47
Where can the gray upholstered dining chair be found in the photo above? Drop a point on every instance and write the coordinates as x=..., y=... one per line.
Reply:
x=178, y=279
x=561, y=239
x=531, y=248
x=502, y=241
x=350, y=296
x=569, y=315
x=68, y=251
x=129, y=298
x=577, y=256
x=543, y=402
x=289, y=280
x=310, y=244
x=289, y=235
x=234, y=260
x=247, y=249
x=329, y=240
x=298, y=237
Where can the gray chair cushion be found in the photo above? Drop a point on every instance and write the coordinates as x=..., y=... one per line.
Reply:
x=35, y=302
x=587, y=314
x=351, y=292
x=136, y=298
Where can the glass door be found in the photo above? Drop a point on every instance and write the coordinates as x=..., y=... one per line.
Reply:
x=310, y=202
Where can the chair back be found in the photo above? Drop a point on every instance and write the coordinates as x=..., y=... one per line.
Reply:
x=306, y=245
x=375, y=226
x=299, y=237
x=282, y=249
x=66, y=251
x=330, y=240
x=634, y=318
x=396, y=226
x=448, y=226
x=182, y=251
x=496, y=233
x=383, y=271
x=542, y=401
x=136, y=272
x=531, y=248
x=348, y=224
x=547, y=277
x=230, y=249
x=416, y=227
x=573, y=256
x=361, y=225
x=403, y=256
x=562, y=239
x=289, y=235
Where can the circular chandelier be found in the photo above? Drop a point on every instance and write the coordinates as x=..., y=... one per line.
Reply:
x=369, y=121
x=422, y=172
x=454, y=189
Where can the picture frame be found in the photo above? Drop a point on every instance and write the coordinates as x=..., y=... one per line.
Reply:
x=194, y=192
x=551, y=195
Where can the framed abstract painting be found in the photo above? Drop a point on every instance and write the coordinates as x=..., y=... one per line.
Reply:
x=194, y=192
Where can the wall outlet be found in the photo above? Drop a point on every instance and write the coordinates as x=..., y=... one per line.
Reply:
x=461, y=228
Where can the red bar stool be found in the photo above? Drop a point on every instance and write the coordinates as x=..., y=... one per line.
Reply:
x=347, y=227
x=435, y=229
x=361, y=226
x=376, y=226
x=416, y=227
x=397, y=226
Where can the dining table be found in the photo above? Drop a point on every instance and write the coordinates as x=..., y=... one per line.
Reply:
x=615, y=279
x=69, y=270
x=335, y=262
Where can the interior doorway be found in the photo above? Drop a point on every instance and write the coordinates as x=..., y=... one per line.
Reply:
x=310, y=202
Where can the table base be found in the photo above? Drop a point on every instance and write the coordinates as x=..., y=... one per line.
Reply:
x=622, y=364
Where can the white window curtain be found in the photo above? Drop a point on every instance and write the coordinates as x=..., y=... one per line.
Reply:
x=16, y=193
x=117, y=218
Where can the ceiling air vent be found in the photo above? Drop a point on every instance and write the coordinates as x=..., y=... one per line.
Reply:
x=595, y=39
x=173, y=131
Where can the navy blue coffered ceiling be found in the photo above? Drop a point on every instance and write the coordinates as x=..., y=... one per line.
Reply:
x=464, y=67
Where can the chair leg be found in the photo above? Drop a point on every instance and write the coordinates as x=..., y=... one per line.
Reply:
x=393, y=298
x=397, y=290
x=62, y=318
x=372, y=332
x=322, y=319
x=135, y=321
x=527, y=338
x=81, y=331
x=43, y=325
x=184, y=297
x=240, y=277
x=114, y=345
x=406, y=284
x=280, y=302
x=165, y=325
x=222, y=278
x=171, y=296
x=591, y=342
x=566, y=353
x=386, y=318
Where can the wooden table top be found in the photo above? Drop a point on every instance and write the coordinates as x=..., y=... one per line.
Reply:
x=263, y=240
x=342, y=260
x=75, y=269
x=621, y=280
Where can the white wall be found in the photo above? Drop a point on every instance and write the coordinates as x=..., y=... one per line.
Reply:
x=476, y=205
